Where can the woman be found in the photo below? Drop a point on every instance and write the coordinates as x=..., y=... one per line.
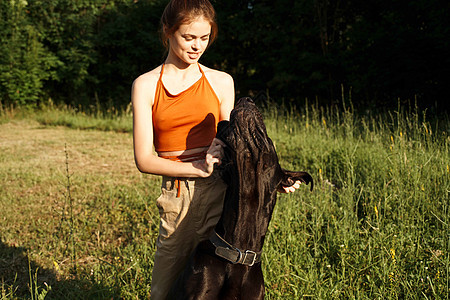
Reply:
x=176, y=108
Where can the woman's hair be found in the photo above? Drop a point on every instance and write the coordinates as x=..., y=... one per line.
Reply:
x=178, y=12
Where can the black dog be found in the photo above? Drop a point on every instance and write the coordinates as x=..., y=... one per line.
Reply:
x=228, y=265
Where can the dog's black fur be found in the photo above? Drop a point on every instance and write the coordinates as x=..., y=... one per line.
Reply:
x=250, y=168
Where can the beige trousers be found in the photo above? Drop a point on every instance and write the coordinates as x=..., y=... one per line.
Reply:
x=185, y=221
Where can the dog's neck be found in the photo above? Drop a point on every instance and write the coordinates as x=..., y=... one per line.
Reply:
x=247, y=212
x=252, y=172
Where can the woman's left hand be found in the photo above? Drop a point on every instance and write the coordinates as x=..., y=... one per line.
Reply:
x=290, y=189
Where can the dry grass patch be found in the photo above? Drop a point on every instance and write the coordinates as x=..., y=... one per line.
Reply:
x=36, y=218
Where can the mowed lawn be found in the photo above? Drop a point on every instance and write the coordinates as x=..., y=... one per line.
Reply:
x=78, y=220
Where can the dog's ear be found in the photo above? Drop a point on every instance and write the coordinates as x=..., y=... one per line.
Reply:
x=290, y=177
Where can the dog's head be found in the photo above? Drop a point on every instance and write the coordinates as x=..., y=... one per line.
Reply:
x=250, y=158
x=250, y=168
x=246, y=129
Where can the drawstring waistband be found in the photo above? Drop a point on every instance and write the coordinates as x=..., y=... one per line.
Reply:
x=187, y=158
x=184, y=158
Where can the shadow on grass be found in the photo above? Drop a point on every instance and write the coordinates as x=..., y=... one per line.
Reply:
x=18, y=274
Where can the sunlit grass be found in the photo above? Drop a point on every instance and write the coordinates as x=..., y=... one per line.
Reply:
x=376, y=225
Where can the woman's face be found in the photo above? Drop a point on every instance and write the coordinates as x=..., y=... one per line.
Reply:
x=190, y=41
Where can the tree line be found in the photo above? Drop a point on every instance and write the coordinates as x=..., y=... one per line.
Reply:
x=89, y=51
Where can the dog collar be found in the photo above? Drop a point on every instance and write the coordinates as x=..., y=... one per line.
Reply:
x=233, y=254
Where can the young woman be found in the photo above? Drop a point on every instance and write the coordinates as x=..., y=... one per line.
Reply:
x=176, y=108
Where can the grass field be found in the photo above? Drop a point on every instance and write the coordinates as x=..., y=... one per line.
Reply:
x=78, y=221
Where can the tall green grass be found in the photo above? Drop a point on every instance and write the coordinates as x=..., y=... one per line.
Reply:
x=93, y=117
x=376, y=225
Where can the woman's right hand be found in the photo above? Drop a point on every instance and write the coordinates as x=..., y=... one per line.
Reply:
x=213, y=156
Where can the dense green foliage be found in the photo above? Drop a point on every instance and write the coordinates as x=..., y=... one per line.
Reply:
x=380, y=49
x=25, y=63
x=78, y=217
x=89, y=51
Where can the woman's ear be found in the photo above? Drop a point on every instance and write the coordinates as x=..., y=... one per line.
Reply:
x=165, y=37
x=164, y=31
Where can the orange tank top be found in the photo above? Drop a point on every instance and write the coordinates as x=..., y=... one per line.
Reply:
x=187, y=120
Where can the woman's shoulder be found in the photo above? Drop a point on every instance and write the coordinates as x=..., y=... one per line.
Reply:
x=149, y=77
x=216, y=74
x=222, y=83
x=219, y=80
x=144, y=86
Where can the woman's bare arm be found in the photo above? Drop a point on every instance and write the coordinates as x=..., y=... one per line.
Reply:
x=147, y=161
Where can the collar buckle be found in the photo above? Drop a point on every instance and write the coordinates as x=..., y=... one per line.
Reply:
x=247, y=252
